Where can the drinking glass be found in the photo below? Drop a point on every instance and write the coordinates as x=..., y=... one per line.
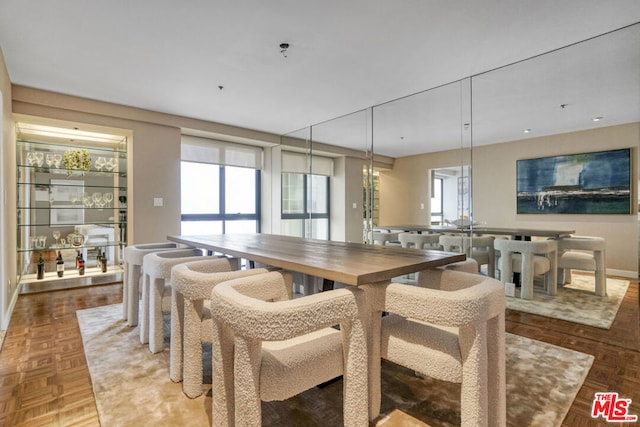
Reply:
x=56, y=235
x=57, y=159
x=100, y=163
x=108, y=197
x=39, y=158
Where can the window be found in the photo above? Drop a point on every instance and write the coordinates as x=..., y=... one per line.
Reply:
x=305, y=205
x=437, y=205
x=219, y=199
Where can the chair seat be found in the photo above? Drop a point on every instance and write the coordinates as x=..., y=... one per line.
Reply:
x=578, y=260
x=422, y=347
x=540, y=264
x=298, y=364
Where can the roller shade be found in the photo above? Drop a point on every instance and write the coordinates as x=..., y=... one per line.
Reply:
x=205, y=150
x=299, y=163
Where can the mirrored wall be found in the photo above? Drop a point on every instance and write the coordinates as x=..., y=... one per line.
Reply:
x=449, y=153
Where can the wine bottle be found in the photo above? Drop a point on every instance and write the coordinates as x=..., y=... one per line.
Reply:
x=99, y=259
x=40, y=274
x=78, y=256
x=103, y=263
x=60, y=265
x=80, y=265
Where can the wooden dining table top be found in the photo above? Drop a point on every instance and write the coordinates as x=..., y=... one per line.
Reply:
x=349, y=263
x=506, y=231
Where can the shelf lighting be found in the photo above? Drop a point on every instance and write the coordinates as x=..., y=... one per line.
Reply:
x=68, y=134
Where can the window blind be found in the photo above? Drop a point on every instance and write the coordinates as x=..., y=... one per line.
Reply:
x=205, y=150
x=303, y=163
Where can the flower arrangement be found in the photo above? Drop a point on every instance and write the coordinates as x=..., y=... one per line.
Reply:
x=76, y=160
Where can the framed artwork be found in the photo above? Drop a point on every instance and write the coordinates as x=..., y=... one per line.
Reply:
x=66, y=206
x=586, y=183
x=62, y=215
x=66, y=191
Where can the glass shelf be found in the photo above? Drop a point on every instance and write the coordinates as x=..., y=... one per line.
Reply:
x=46, y=146
x=67, y=247
x=75, y=174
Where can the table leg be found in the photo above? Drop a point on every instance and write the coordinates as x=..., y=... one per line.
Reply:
x=371, y=314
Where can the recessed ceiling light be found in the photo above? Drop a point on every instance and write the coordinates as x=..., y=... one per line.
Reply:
x=527, y=131
x=597, y=119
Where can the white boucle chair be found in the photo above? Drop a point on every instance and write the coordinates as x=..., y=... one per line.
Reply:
x=384, y=238
x=451, y=327
x=269, y=347
x=155, y=286
x=529, y=258
x=480, y=248
x=583, y=253
x=191, y=323
x=419, y=241
x=133, y=255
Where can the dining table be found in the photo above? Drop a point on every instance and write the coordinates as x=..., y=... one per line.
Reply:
x=369, y=267
x=521, y=233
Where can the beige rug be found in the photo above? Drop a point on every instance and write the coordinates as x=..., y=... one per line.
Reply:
x=576, y=302
x=132, y=386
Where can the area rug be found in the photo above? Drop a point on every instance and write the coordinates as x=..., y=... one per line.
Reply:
x=132, y=385
x=576, y=302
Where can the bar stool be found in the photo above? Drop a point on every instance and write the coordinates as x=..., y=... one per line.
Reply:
x=191, y=322
x=133, y=256
x=583, y=253
x=157, y=276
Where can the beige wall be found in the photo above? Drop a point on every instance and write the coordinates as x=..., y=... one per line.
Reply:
x=8, y=283
x=494, y=180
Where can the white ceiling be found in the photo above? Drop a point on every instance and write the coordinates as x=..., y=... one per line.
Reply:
x=344, y=56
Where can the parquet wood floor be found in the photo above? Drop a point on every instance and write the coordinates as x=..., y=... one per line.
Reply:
x=44, y=380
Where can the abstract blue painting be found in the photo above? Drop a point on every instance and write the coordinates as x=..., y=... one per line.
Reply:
x=586, y=183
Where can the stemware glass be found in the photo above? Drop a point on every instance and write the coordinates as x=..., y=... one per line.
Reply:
x=39, y=158
x=111, y=164
x=108, y=197
x=56, y=235
x=87, y=202
x=31, y=158
x=100, y=163
x=97, y=199
x=49, y=160
x=57, y=159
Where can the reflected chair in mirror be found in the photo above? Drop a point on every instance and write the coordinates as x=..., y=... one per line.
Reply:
x=269, y=347
x=480, y=248
x=191, y=322
x=530, y=259
x=384, y=239
x=583, y=253
x=133, y=255
x=156, y=292
x=451, y=327
x=419, y=241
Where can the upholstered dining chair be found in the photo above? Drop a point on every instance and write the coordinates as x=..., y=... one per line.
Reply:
x=419, y=241
x=133, y=255
x=269, y=347
x=529, y=258
x=191, y=322
x=583, y=253
x=451, y=327
x=383, y=238
x=156, y=288
x=480, y=248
